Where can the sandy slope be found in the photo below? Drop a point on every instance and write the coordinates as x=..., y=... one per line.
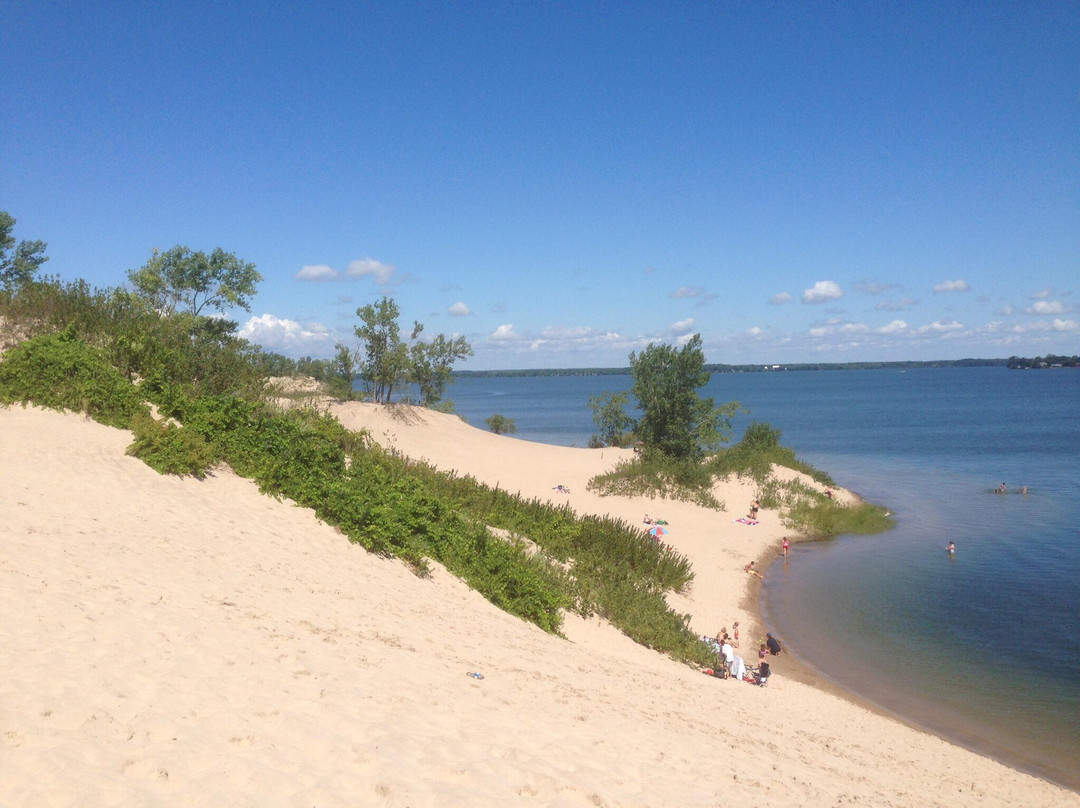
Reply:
x=176, y=642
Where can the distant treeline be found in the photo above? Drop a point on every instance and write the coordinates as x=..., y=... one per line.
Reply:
x=719, y=368
x=1048, y=361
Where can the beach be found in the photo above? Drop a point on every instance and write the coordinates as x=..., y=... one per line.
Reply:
x=176, y=641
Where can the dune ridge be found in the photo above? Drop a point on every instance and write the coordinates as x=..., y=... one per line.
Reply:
x=174, y=641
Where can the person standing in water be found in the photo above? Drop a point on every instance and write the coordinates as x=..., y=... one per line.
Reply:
x=950, y=548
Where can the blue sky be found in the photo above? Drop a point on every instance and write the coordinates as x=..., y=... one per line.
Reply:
x=564, y=183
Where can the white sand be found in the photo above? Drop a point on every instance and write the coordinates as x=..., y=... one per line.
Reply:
x=177, y=642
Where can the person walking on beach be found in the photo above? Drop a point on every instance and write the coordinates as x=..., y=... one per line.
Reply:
x=785, y=544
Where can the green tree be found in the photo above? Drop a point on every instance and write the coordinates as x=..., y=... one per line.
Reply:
x=388, y=361
x=501, y=425
x=18, y=262
x=432, y=362
x=384, y=354
x=675, y=420
x=342, y=373
x=611, y=418
x=192, y=281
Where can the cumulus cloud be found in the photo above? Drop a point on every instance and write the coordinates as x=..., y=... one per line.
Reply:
x=459, y=309
x=1047, y=307
x=780, y=299
x=286, y=336
x=1065, y=325
x=939, y=327
x=683, y=326
x=686, y=292
x=822, y=292
x=317, y=272
x=952, y=286
x=363, y=267
x=503, y=333
x=854, y=328
x=895, y=327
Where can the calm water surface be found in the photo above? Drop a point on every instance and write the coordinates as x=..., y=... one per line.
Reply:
x=984, y=647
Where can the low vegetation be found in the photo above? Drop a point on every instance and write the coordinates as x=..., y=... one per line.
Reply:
x=110, y=354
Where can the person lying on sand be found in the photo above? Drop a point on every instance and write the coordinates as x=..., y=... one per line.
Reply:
x=750, y=568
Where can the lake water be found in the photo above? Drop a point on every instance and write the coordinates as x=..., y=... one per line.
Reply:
x=983, y=647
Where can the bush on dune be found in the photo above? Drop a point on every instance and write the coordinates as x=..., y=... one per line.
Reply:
x=60, y=372
x=195, y=372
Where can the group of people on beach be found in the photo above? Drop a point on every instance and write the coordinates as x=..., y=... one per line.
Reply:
x=730, y=665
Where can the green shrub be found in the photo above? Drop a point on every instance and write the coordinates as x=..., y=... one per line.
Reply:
x=653, y=474
x=827, y=518
x=500, y=424
x=170, y=449
x=61, y=372
x=755, y=455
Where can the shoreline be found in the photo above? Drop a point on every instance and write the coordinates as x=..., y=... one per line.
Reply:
x=802, y=670
x=794, y=667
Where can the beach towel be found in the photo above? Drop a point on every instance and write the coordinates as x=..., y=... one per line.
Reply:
x=745, y=521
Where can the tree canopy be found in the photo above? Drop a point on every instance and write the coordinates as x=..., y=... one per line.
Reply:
x=180, y=279
x=675, y=420
x=389, y=362
x=18, y=262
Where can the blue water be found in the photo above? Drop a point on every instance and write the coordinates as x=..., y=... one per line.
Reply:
x=984, y=647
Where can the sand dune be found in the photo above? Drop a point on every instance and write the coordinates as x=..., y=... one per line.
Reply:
x=177, y=642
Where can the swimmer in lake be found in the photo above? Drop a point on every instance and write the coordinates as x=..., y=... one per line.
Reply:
x=950, y=548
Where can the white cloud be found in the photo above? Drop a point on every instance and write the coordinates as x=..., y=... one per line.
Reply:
x=504, y=333
x=1045, y=293
x=1047, y=307
x=286, y=336
x=317, y=272
x=895, y=327
x=1066, y=325
x=1005, y=311
x=822, y=292
x=683, y=339
x=687, y=291
x=780, y=299
x=820, y=332
x=952, y=286
x=939, y=327
x=755, y=331
x=459, y=309
x=577, y=335
x=683, y=326
x=362, y=267
x=854, y=328
x=896, y=305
